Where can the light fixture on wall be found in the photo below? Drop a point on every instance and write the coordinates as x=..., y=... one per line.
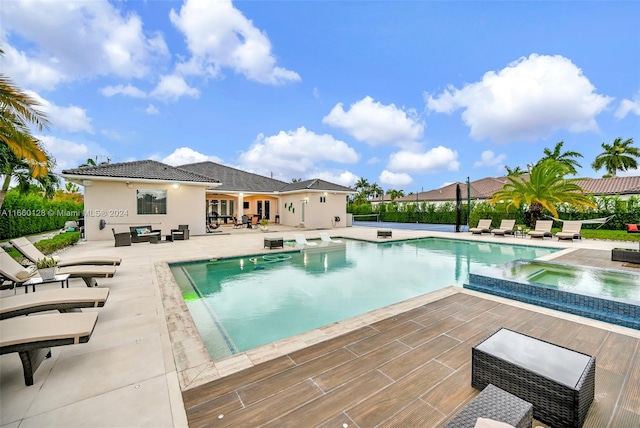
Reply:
x=176, y=185
x=129, y=185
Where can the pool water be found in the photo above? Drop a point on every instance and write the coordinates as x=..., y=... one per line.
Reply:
x=241, y=303
x=616, y=284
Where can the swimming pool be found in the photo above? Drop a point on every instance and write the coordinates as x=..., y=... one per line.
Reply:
x=606, y=295
x=241, y=303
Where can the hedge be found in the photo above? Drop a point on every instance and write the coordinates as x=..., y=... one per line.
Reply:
x=22, y=215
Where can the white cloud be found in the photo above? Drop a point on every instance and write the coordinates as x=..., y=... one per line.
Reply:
x=33, y=73
x=628, y=173
x=128, y=90
x=220, y=36
x=375, y=123
x=294, y=153
x=345, y=178
x=374, y=160
x=78, y=39
x=437, y=159
x=151, y=110
x=629, y=106
x=185, y=155
x=528, y=100
x=67, y=153
x=395, y=179
x=172, y=87
x=488, y=158
x=316, y=93
x=72, y=118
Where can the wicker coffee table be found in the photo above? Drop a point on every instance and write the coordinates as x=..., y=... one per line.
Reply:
x=559, y=382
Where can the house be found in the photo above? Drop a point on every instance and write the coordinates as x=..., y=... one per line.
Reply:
x=483, y=189
x=148, y=192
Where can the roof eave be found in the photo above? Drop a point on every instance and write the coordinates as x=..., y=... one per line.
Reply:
x=79, y=179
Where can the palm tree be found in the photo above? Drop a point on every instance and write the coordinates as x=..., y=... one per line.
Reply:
x=545, y=188
x=566, y=158
x=17, y=111
x=517, y=171
x=375, y=191
x=619, y=156
x=12, y=167
x=362, y=184
x=395, y=194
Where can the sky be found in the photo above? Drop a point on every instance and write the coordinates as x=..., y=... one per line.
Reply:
x=410, y=95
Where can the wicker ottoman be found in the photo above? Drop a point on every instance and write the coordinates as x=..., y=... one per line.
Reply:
x=559, y=382
x=497, y=404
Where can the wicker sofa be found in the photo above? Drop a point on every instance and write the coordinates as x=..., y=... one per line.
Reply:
x=143, y=233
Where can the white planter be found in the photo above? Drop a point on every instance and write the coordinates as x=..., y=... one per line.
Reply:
x=47, y=273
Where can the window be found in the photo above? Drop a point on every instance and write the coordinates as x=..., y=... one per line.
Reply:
x=323, y=199
x=245, y=205
x=152, y=201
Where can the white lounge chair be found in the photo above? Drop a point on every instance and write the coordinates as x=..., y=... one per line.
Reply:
x=570, y=230
x=505, y=228
x=324, y=236
x=57, y=299
x=301, y=240
x=32, y=336
x=484, y=226
x=27, y=249
x=542, y=230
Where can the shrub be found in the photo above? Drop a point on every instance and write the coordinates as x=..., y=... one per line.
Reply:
x=58, y=242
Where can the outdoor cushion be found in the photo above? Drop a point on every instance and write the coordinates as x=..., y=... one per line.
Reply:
x=27, y=249
x=142, y=231
x=632, y=228
x=58, y=299
x=490, y=423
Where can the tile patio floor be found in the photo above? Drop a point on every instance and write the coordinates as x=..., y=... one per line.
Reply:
x=144, y=360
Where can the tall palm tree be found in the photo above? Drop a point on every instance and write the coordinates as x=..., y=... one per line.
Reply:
x=619, y=156
x=12, y=167
x=567, y=158
x=362, y=184
x=545, y=188
x=395, y=194
x=17, y=111
x=517, y=171
x=375, y=191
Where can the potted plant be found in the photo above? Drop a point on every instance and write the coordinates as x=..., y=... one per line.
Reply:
x=264, y=225
x=47, y=268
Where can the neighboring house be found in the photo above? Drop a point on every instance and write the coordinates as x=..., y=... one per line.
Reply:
x=483, y=189
x=152, y=193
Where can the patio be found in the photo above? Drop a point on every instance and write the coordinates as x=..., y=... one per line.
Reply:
x=143, y=361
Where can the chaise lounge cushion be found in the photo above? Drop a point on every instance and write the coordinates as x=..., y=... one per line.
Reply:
x=27, y=249
x=58, y=299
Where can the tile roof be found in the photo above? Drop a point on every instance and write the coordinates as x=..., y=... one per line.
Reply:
x=611, y=186
x=485, y=187
x=145, y=169
x=315, y=184
x=235, y=180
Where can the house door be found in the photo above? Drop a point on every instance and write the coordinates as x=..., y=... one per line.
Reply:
x=259, y=204
x=267, y=210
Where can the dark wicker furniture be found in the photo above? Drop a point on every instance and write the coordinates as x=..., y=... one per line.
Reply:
x=142, y=237
x=273, y=242
x=558, y=381
x=181, y=233
x=384, y=233
x=496, y=404
x=624, y=255
x=123, y=239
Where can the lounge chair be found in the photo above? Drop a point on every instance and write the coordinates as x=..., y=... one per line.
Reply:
x=570, y=230
x=32, y=336
x=27, y=249
x=61, y=300
x=13, y=271
x=505, y=228
x=542, y=230
x=236, y=223
x=484, y=226
x=254, y=221
x=324, y=236
x=301, y=240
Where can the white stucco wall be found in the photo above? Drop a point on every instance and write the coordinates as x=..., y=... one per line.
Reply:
x=317, y=215
x=116, y=204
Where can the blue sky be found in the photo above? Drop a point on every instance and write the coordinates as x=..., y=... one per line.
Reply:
x=410, y=95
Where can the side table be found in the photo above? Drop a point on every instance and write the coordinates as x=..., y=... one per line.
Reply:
x=62, y=279
x=273, y=242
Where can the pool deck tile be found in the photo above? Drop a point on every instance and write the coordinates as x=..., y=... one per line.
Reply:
x=146, y=366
